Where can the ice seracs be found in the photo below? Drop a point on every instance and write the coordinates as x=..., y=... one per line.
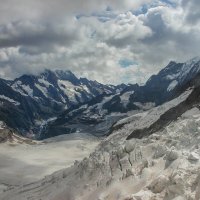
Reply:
x=155, y=166
x=193, y=156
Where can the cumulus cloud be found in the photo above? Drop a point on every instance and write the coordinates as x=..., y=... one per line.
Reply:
x=191, y=8
x=43, y=10
x=91, y=38
x=30, y=34
x=172, y=38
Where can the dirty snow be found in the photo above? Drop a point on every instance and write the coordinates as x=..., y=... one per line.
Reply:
x=24, y=163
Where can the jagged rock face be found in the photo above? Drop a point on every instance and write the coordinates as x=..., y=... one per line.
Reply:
x=5, y=134
x=168, y=83
x=9, y=135
x=16, y=110
x=62, y=88
x=28, y=100
x=95, y=116
x=91, y=106
x=171, y=115
x=162, y=165
x=104, y=111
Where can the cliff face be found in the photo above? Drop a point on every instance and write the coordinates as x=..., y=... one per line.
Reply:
x=9, y=135
x=98, y=115
x=28, y=102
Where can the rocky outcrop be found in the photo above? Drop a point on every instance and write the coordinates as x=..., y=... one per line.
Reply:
x=9, y=135
x=5, y=135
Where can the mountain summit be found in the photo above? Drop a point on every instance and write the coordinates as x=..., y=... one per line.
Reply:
x=57, y=102
x=29, y=100
x=98, y=115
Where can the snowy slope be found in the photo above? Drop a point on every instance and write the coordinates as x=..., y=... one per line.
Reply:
x=102, y=112
x=34, y=99
x=61, y=87
x=168, y=83
x=97, y=115
x=3, y=97
x=23, y=161
x=155, y=166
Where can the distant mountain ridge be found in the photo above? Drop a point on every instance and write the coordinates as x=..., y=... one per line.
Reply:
x=29, y=100
x=97, y=116
x=57, y=102
x=60, y=87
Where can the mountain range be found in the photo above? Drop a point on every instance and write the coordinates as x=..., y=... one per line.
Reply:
x=57, y=102
x=151, y=151
x=29, y=101
x=101, y=113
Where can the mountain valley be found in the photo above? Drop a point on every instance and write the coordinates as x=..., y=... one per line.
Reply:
x=128, y=142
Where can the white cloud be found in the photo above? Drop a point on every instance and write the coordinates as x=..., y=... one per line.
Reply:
x=50, y=36
x=12, y=10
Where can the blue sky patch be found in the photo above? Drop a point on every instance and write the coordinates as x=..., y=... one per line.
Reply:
x=127, y=63
x=102, y=16
x=169, y=2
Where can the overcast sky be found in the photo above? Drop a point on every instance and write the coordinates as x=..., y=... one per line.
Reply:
x=111, y=41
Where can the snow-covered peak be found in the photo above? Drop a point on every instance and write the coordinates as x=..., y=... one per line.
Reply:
x=51, y=92
x=39, y=97
x=189, y=69
x=174, y=75
x=183, y=71
x=47, y=74
x=65, y=75
x=170, y=65
x=193, y=60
